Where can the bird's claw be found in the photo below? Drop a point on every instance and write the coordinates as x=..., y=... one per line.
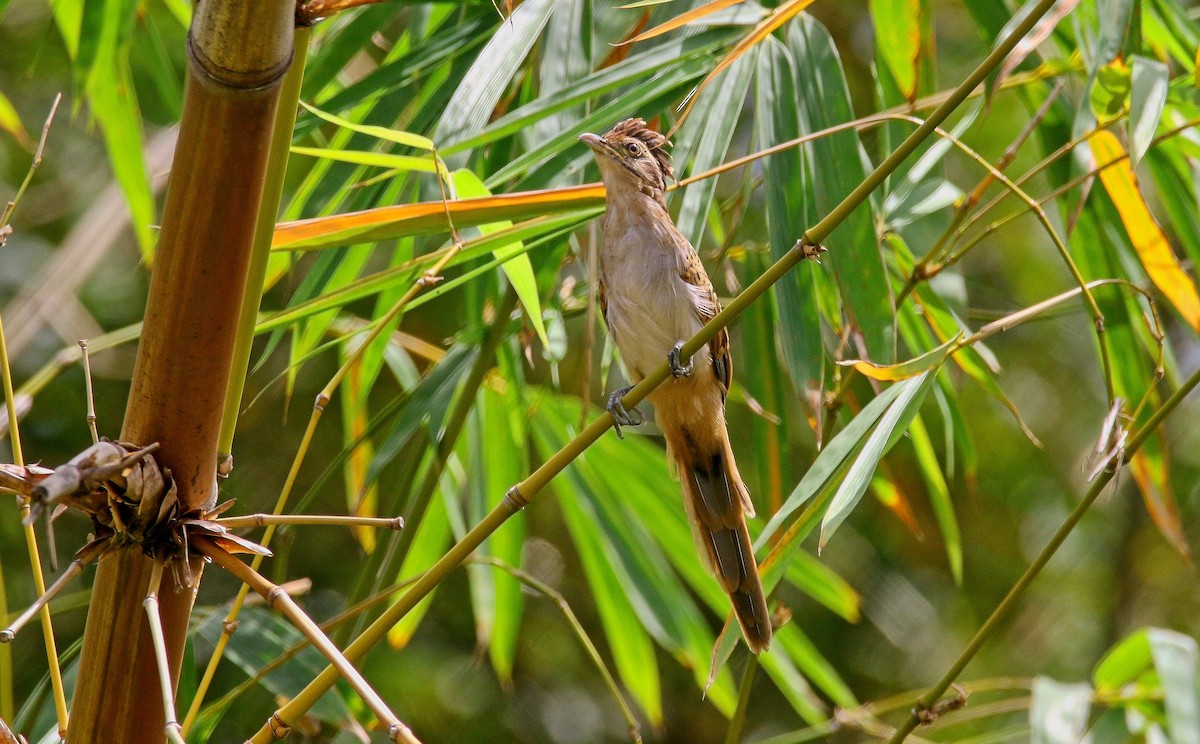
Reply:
x=677, y=368
x=622, y=417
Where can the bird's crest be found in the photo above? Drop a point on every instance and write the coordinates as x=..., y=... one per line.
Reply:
x=653, y=141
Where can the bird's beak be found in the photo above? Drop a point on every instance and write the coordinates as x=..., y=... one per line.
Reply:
x=594, y=141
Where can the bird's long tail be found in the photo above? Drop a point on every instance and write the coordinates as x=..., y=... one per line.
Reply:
x=717, y=503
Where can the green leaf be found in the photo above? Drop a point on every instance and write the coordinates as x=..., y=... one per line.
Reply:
x=856, y=259
x=407, y=139
x=374, y=159
x=630, y=644
x=787, y=189
x=833, y=455
x=1147, y=100
x=939, y=496
x=518, y=268
x=432, y=539
x=1059, y=712
x=898, y=40
x=714, y=131
x=482, y=86
x=892, y=424
x=497, y=457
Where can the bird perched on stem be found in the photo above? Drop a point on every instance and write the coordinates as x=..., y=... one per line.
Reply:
x=655, y=294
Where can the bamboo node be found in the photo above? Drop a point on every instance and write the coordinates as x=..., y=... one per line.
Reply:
x=515, y=499
x=278, y=728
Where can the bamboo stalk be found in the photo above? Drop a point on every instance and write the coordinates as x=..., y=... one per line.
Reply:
x=238, y=52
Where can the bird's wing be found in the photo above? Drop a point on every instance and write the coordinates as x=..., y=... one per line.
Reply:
x=704, y=298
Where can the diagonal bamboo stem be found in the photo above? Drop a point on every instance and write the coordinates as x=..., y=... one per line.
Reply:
x=86, y=557
x=278, y=599
x=1009, y=602
x=521, y=494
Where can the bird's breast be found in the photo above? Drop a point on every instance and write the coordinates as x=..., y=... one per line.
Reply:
x=650, y=308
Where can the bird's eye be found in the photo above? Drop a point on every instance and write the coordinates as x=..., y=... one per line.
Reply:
x=633, y=148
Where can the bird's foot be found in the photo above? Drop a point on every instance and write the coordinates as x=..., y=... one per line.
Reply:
x=622, y=417
x=677, y=367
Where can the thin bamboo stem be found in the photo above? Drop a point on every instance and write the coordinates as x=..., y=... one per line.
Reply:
x=87, y=386
x=279, y=600
x=1009, y=602
x=309, y=520
x=734, y=733
x=88, y=556
x=238, y=53
x=635, y=732
x=150, y=604
x=521, y=494
x=277, y=160
x=14, y=437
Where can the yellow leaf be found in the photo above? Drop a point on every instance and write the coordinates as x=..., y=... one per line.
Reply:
x=682, y=19
x=1147, y=237
x=385, y=223
x=782, y=15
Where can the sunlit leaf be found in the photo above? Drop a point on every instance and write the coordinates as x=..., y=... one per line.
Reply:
x=904, y=370
x=376, y=159
x=407, y=139
x=518, y=268
x=1147, y=237
x=10, y=122
x=682, y=19
x=898, y=39
x=384, y=223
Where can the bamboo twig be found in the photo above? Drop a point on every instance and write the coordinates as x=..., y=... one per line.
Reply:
x=150, y=603
x=309, y=520
x=635, y=733
x=86, y=557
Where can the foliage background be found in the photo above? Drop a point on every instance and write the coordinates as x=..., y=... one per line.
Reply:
x=903, y=617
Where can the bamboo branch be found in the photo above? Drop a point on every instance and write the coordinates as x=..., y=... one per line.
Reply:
x=521, y=494
x=279, y=600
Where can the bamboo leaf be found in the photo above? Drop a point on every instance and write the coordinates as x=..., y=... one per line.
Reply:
x=904, y=370
x=1147, y=237
x=891, y=425
x=385, y=223
x=481, y=87
x=682, y=19
x=518, y=268
x=787, y=190
x=898, y=40
x=832, y=456
x=1147, y=99
x=1059, y=712
x=374, y=159
x=408, y=139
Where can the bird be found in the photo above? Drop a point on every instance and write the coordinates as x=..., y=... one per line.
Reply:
x=654, y=294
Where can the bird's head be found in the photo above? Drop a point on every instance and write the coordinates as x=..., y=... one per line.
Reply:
x=632, y=155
